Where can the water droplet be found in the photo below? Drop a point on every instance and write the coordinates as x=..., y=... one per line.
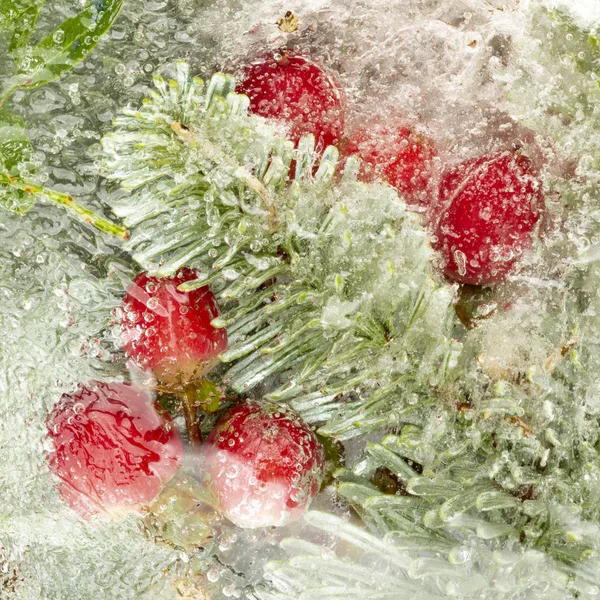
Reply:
x=58, y=36
x=592, y=590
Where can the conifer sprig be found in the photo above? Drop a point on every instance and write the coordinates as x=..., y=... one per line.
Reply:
x=330, y=305
x=325, y=284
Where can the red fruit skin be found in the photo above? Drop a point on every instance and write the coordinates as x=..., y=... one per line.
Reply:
x=489, y=208
x=167, y=331
x=262, y=465
x=112, y=450
x=297, y=91
x=399, y=154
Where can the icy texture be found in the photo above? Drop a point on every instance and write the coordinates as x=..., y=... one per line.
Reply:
x=330, y=297
x=466, y=69
x=56, y=308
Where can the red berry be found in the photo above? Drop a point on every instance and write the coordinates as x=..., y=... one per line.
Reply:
x=398, y=153
x=489, y=209
x=263, y=465
x=168, y=331
x=298, y=92
x=112, y=450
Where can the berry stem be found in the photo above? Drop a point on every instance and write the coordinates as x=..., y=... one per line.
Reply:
x=188, y=400
x=86, y=215
x=239, y=172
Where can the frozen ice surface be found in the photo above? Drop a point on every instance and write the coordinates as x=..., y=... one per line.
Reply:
x=59, y=284
x=447, y=63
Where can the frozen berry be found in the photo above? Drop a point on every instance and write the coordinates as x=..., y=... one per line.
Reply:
x=298, y=92
x=262, y=465
x=168, y=331
x=398, y=153
x=489, y=208
x=112, y=451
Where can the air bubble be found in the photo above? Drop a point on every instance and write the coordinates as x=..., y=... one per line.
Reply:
x=231, y=472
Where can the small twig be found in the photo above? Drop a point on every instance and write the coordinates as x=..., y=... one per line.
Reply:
x=86, y=215
x=517, y=421
x=239, y=172
x=557, y=356
x=188, y=400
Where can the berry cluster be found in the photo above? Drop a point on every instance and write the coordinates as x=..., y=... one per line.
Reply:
x=482, y=213
x=114, y=450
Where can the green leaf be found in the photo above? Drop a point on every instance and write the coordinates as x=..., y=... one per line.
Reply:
x=208, y=396
x=15, y=149
x=10, y=11
x=15, y=146
x=23, y=26
x=68, y=44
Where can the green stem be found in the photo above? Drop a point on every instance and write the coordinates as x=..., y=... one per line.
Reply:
x=86, y=215
x=188, y=401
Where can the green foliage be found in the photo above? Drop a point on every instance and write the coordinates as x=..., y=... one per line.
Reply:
x=67, y=45
x=10, y=11
x=321, y=294
x=569, y=40
x=58, y=52
x=15, y=150
x=38, y=65
x=19, y=17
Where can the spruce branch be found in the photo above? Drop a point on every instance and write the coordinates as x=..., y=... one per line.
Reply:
x=334, y=309
x=252, y=182
x=319, y=290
